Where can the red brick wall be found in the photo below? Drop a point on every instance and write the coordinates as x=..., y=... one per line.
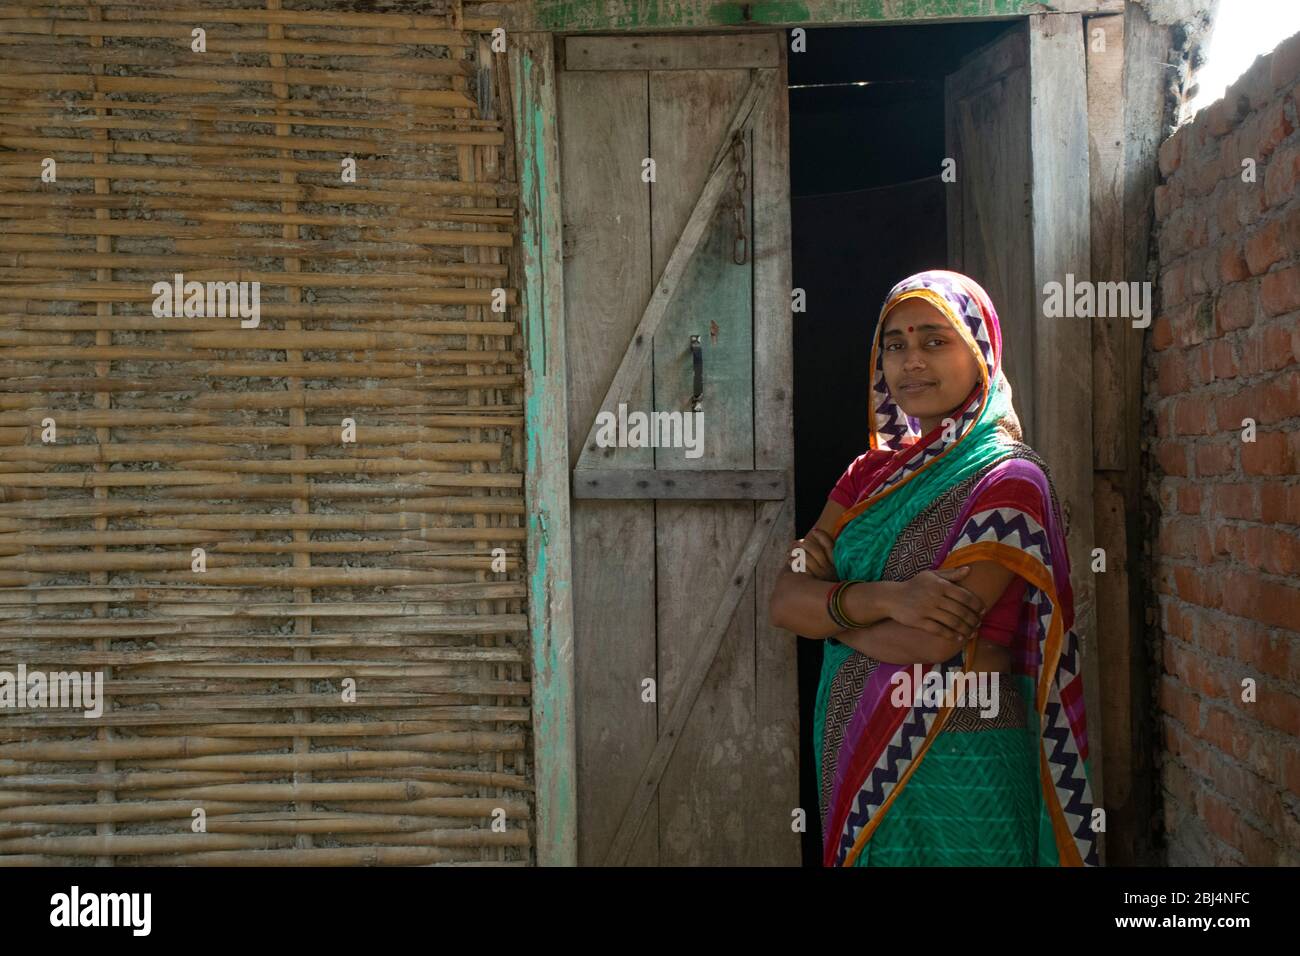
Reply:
x=1224, y=347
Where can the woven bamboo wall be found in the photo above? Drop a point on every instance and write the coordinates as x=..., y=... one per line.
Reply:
x=325, y=560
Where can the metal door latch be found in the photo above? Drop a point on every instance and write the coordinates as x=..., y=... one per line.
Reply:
x=697, y=357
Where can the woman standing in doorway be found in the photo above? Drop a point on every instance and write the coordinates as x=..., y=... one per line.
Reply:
x=940, y=552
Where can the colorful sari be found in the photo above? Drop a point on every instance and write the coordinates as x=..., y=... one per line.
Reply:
x=955, y=496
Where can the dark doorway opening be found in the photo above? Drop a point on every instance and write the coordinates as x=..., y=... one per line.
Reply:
x=867, y=209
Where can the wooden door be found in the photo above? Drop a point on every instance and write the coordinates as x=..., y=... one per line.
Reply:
x=1016, y=118
x=677, y=291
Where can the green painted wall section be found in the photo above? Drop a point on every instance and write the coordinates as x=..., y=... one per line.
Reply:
x=573, y=15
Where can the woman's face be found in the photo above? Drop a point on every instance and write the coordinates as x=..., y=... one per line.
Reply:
x=928, y=368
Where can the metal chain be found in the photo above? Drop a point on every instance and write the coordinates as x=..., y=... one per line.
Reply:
x=740, y=249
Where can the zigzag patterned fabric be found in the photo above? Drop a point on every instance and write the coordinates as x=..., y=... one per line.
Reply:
x=1010, y=516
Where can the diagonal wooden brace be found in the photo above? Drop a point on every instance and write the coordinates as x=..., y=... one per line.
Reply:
x=638, y=350
x=765, y=522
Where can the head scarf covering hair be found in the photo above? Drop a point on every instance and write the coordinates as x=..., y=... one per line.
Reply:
x=986, y=425
x=967, y=306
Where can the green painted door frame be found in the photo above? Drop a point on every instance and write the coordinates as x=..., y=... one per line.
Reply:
x=583, y=16
x=546, y=442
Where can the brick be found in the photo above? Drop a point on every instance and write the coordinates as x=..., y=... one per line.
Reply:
x=1291, y=768
x=1177, y=623
x=1265, y=247
x=1236, y=500
x=1284, y=63
x=1251, y=203
x=1172, y=458
x=1171, y=372
x=1280, y=176
x=1279, y=504
x=1279, y=291
x=1197, y=322
x=1275, y=126
x=1162, y=335
x=1187, y=585
x=1216, y=459
x=1258, y=848
x=1200, y=135
x=1226, y=732
x=1224, y=115
x=1248, y=792
x=1192, y=538
x=1271, y=453
x=1208, y=677
x=1189, y=499
x=1172, y=285
x=1236, y=306
x=1225, y=212
x=1291, y=228
x=1219, y=816
x=1240, y=593
x=1177, y=701
x=1269, y=654
x=1223, y=363
x=1201, y=366
x=1190, y=417
x=1227, y=540
x=1257, y=83
x=1232, y=145
x=1278, y=606
x=1266, y=347
x=1280, y=395
x=1203, y=170
x=1273, y=551
x=1230, y=409
x=1232, y=261
x=1213, y=635
x=1278, y=708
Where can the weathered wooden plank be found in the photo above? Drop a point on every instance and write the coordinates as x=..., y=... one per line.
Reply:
x=640, y=343
x=607, y=278
x=1058, y=122
x=550, y=611
x=735, y=50
x=714, y=295
x=1131, y=784
x=696, y=673
x=1105, y=58
x=775, y=770
x=1104, y=37
x=661, y=15
x=705, y=800
x=665, y=483
x=989, y=234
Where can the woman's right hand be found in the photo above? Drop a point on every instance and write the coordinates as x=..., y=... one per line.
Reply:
x=934, y=601
x=818, y=550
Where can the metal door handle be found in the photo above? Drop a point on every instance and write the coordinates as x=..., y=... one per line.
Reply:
x=697, y=356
